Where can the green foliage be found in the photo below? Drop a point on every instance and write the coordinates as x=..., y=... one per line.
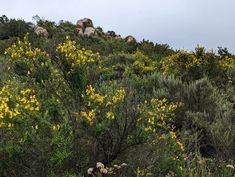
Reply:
x=157, y=51
x=126, y=65
x=13, y=28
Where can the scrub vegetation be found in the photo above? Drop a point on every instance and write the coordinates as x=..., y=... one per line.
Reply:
x=73, y=106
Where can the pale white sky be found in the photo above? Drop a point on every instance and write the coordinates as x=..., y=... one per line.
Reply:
x=180, y=23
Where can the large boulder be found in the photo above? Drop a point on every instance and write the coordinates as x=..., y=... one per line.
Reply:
x=130, y=39
x=80, y=31
x=40, y=31
x=83, y=24
x=89, y=31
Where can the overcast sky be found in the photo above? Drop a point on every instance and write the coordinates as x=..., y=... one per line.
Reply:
x=180, y=23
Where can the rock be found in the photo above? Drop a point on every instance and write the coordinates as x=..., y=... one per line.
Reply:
x=89, y=31
x=130, y=39
x=83, y=24
x=80, y=31
x=40, y=31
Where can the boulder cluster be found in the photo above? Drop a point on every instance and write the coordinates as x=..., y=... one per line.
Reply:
x=85, y=27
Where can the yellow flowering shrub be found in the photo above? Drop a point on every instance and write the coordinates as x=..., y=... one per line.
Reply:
x=27, y=60
x=97, y=104
x=141, y=65
x=24, y=50
x=179, y=63
x=156, y=124
x=227, y=63
x=74, y=55
x=12, y=105
x=157, y=114
x=190, y=65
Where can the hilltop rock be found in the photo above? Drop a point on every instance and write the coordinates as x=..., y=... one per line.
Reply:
x=130, y=39
x=85, y=27
x=40, y=31
x=83, y=24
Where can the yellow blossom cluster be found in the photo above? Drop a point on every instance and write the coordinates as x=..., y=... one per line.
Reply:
x=158, y=113
x=93, y=101
x=141, y=65
x=173, y=136
x=181, y=146
x=93, y=96
x=174, y=64
x=12, y=106
x=7, y=112
x=97, y=104
x=56, y=127
x=110, y=115
x=185, y=63
x=227, y=63
x=89, y=116
x=32, y=58
x=28, y=100
x=24, y=50
x=117, y=98
x=74, y=55
x=175, y=143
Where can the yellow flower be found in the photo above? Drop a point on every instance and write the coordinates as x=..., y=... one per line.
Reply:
x=181, y=146
x=56, y=127
x=110, y=115
x=89, y=116
x=172, y=134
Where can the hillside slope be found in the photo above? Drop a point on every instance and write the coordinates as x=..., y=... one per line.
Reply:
x=77, y=101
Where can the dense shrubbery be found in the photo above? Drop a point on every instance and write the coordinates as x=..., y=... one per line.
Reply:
x=13, y=28
x=96, y=106
x=193, y=66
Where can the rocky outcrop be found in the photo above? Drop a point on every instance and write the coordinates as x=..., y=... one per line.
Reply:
x=85, y=27
x=85, y=22
x=40, y=31
x=130, y=39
